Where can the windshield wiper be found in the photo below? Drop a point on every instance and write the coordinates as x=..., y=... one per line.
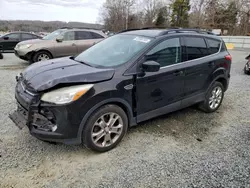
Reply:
x=73, y=58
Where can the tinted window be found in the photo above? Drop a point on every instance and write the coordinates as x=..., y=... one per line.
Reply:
x=83, y=35
x=166, y=53
x=15, y=36
x=195, y=48
x=96, y=35
x=26, y=36
x=69, y=36
x=214, y=45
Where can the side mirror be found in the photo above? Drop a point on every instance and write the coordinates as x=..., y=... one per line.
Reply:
x=6, y=38
x=59, y=39
x=151, y=66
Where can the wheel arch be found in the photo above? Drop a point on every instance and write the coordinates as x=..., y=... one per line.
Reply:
x=113, y=101
x=41, y=50
x=223, y=81
x=220, y=78
x=220, y=75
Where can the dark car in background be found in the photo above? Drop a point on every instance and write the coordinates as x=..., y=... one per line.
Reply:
x=247, y=66
x=126, y=79
x=10, y=40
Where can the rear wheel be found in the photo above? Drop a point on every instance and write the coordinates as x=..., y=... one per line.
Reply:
x=214, y=98
x=105, y=128
x=42, y=56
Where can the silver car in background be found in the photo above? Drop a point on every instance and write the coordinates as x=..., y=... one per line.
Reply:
x=60, y=43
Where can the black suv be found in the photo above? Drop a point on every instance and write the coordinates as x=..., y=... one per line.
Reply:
x=128, y=78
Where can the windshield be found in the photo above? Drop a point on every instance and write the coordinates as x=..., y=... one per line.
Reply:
x=53, y=35
x=113, y=51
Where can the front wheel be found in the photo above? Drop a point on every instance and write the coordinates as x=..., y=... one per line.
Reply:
x=42, y=56
x=105, y=128
x=213, y=99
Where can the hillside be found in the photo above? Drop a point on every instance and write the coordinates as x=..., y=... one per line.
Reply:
x=37, y=26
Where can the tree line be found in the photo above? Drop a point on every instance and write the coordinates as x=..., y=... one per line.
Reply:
x=232, y=16
x=41, y=26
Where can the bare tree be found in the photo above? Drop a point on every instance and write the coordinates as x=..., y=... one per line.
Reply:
x=197, y=16
x=116, y=13
x=151, y=9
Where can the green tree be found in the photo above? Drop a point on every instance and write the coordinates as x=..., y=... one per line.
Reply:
x=162, y=17
x=180, y=9
x=230, y=15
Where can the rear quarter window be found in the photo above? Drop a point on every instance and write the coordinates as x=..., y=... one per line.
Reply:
x=213, y=45
x=223, y=47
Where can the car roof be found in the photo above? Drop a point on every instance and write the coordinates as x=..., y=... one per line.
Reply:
x=84, y=29
x=155, y=33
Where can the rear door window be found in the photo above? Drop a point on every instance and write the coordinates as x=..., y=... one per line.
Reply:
x=83, y=35
x=195, y=48
x=214, y=45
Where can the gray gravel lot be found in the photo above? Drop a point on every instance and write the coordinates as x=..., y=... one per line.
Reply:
x=183, y=149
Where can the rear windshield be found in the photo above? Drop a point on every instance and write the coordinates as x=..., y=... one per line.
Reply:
x=113, y=51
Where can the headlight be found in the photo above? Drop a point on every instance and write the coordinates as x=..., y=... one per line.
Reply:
x=25, y=46
x=67, y=94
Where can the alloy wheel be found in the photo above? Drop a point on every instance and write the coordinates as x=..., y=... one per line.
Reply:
x=215, y=98
x=43, y=57
x=107, y=130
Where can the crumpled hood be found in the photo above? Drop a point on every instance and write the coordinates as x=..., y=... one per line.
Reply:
x=47, y=74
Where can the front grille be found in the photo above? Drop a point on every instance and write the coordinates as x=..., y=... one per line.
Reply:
x=24, y=96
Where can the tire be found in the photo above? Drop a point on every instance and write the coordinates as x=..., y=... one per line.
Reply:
x=99, y=134
x=206, y=106
x=41, y=56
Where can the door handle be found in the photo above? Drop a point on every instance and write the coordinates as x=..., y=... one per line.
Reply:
x=178, y=73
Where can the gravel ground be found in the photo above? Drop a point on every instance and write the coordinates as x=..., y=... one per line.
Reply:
x=183, y=149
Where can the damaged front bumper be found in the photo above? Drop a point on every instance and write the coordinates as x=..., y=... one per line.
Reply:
x=46, y=122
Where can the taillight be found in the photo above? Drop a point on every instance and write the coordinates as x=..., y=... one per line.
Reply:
x=228, y=57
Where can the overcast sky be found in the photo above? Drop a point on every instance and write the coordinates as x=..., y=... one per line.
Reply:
x=50, y=10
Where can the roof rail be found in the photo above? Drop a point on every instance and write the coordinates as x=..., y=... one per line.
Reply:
x=170, y=30
x=143, y=28
x=186, y=30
